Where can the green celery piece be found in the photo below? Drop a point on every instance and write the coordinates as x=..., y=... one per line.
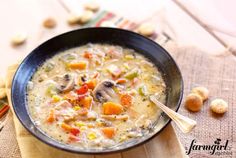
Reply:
x=143, y=90
x=51, y=90
x=49, y=67
x=132, y=74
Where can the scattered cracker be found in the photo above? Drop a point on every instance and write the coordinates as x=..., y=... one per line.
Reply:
x=219, y=106
x=19, y=39
x=49, y=23
x=73, y=19
x=193, y=102
x=92, y=6
x=146, y=29
x=86, y=16
x=202, y=91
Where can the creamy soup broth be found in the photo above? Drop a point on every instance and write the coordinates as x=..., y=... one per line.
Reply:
x=95, y=96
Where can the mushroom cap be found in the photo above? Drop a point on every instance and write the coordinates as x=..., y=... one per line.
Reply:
x=65, y=82
x=104, y=91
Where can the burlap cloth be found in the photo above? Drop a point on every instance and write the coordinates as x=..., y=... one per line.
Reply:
x=217, y=73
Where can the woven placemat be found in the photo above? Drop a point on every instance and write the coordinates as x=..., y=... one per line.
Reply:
x=218, y=74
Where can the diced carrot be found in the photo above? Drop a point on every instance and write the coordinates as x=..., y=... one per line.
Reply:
x=109, y=132
x=86, y=102
x=121, y=81
x=110, y=108
x=88, y=55
x=92, y=83
x=83, y=111
x=81, y=65
x=66, y=127
x=51, y=118
x=126, y=100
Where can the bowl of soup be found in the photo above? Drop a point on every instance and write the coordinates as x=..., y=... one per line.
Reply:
x=87, y=91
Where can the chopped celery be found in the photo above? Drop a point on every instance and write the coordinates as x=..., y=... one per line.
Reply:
x=49, y=67
x=143, y=90
x=126, y=66
x=68, y=57
x=79, y=123
x=132, y=74
x=51, y=90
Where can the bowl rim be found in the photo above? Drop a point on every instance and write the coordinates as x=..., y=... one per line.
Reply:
x=101, y=151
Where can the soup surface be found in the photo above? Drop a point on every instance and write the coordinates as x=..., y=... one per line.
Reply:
x=95, y=96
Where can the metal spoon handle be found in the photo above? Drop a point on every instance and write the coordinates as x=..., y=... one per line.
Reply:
x=184, y=123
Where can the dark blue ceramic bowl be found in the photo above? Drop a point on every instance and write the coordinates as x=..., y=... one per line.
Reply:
x=159, y=56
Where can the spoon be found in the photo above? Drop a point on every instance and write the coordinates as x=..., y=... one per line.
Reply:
x=104, y=92
x=184, y=123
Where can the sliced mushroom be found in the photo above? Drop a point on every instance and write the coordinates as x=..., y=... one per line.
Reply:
x=65, y=82
x=104, y=91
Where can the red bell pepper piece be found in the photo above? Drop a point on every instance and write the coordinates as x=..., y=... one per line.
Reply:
x=83, y=89
x=75, y=131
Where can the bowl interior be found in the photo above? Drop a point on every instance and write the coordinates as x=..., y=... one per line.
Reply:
x=148, y=48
